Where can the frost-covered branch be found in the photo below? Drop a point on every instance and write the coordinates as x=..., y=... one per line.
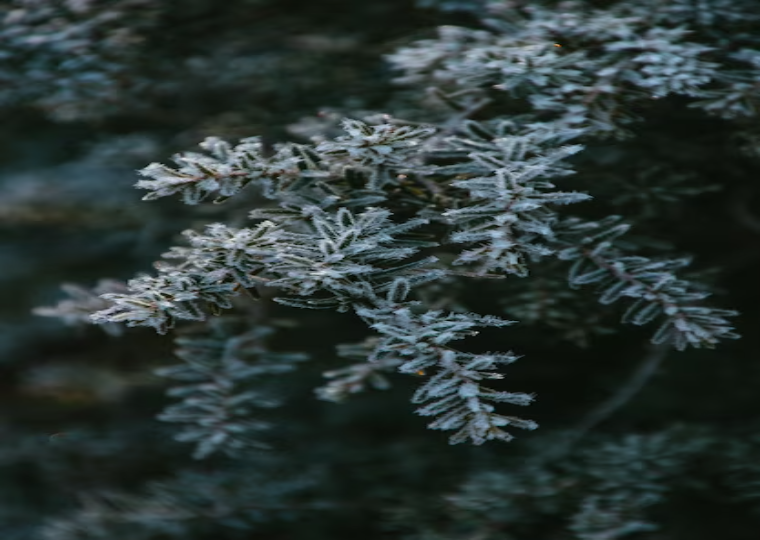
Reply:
x=453, y=393
x=323, y=244
x=653, y=284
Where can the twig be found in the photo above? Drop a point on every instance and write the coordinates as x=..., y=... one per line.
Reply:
x=645, y=370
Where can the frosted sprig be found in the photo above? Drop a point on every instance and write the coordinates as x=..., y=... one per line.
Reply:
x=160, y=301
x=585, y=67
x=510, y=212
x=381, y=144
x=347, y=255
x=224, y=171
x=453, y=394
x=652, y=284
